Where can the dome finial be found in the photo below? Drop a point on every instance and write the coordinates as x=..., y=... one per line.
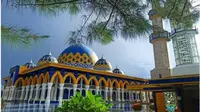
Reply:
x=116, y=66
x=31, y=61
x=102, y=57
x=50, y=53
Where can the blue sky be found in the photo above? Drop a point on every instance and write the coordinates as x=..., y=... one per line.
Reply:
x=135, y=58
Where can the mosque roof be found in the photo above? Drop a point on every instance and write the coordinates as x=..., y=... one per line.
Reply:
x=30, y=64
x=118, y=71
x=103, y=64
x=48, y=58
x=78, y=55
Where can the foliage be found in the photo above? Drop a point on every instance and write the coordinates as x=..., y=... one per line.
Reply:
x=151, y=106
x=90, y=103
x=106, y=19
x=182, y=13
x=19, y=36
x=103, y=19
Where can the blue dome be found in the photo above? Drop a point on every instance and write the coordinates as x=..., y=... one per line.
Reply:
x=117, y=71
x=30, y=64
x=47, y=59
x=102, y=64
x=78, y=55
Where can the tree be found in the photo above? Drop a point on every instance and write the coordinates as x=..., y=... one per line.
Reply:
x=90, y=103
x=106, y=19
x=20, y=36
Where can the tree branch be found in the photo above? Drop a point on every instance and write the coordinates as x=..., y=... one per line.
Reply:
x=54, y=3
x=183, y=8
x=174, y=4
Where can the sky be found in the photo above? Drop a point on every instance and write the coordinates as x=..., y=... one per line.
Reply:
x=134, y=58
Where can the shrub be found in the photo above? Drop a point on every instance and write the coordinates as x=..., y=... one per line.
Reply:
x=79, y=103
x=151, y=107
x=137, y=106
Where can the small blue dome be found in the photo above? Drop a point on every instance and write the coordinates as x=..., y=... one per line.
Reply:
x=102, y=64
x=78, y=55
x=30, y=64
x=47, y=59
x=118, y=71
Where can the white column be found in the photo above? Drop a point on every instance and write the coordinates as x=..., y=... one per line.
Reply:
x=12, y=92
x=106, y=93
x=118, y=94
x=31, y=92
x=130, y=96
x=74, y=88
x=37, y=91
x=43, y=91
x=86, y=87
x=61, y=94
x=111, y=92
x=97, y=90
x=137, y=93
x=55, y=91
x=22, y=93
x=26, y=96
x=122, y=94
x=5, y=93
x=48, y=93
x=150, y=95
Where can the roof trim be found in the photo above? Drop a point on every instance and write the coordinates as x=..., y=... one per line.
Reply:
x=59, y=65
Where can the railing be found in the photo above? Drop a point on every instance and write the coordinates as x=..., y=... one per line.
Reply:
x=164, y=34
x=29, y=108
x=117, y=107
x=182, y=30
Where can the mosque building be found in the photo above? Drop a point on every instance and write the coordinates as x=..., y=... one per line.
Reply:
x=77, y=68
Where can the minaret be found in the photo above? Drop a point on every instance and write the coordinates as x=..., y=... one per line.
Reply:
x=159, y=38
x=185, y=51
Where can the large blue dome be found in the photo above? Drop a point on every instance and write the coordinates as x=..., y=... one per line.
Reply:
x=78, y=55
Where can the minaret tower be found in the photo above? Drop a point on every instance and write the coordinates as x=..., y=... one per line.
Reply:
x=159, y=38
x=185, y=51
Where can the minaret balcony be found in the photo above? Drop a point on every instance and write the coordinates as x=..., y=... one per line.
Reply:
x=164, y=35
x=183, y=30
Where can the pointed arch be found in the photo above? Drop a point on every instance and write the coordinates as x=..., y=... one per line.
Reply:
x=30, y=81
x=115, y=81
x=41, y=79
x=109, y=83
x=26, y=81
x=104, y=81
x=35, y=80
x=121, y=84
x=84, y=78
x=57, y=73
x=126, y=82
x=95, y=80
x=132, y=83
x=46, y=77
x=19, y=80
x=69, y=74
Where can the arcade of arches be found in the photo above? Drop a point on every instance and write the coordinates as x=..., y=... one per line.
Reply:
x=58, y=88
